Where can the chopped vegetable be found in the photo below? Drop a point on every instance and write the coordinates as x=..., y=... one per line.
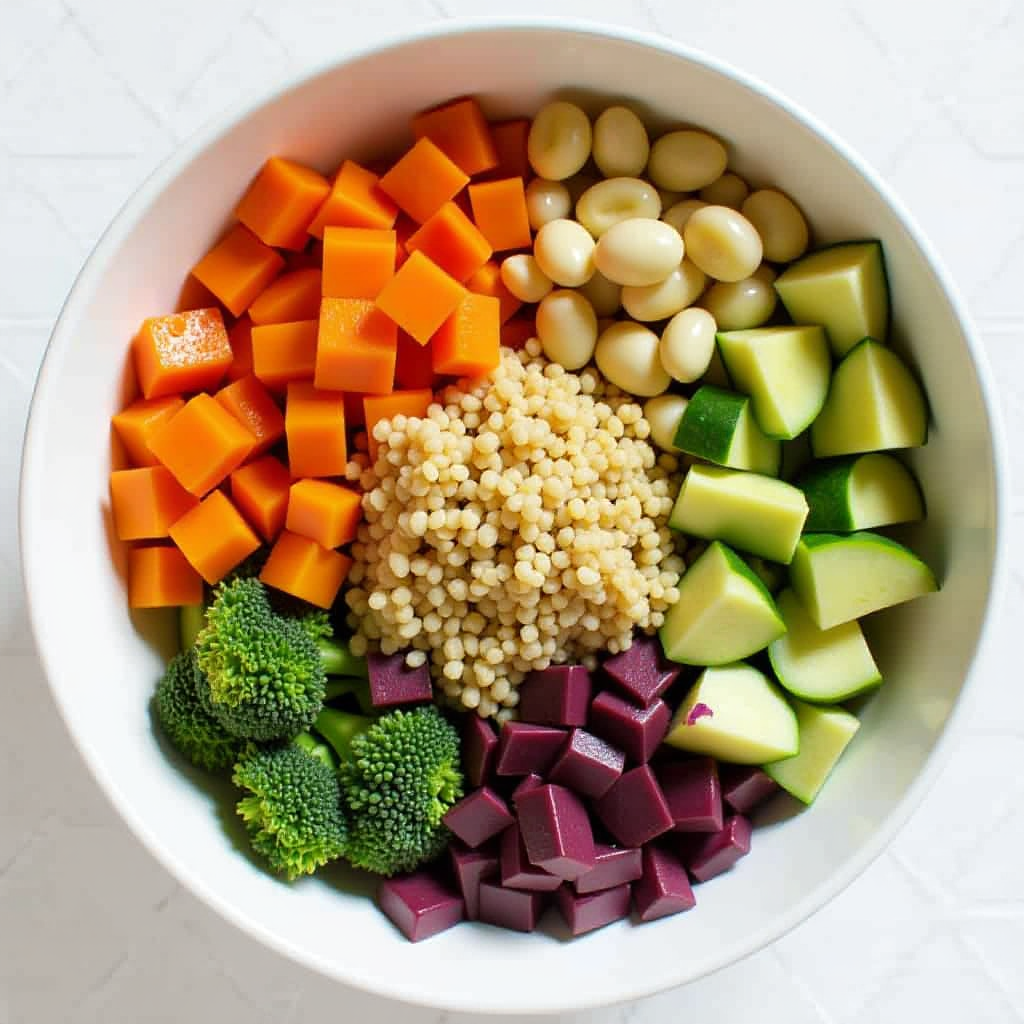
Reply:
x=293, y=296
x=420, y=297
x=356, y=346
x=281, y=202
x=284, y=352
x=355, y=201
x=306, y=570
x=468, y=343
x=461, y=131
x=358, y=262
x=145, y=502
x=181, y=352
x=214, y=537
x=159, y=576
x=423, y=181
x=238, y=268
x=452, y=241
x=487, y=281
x=260, y=491
x=499, y=210
x=323, y=511
x=135, y=425
x=250, y=403
x=315, y=430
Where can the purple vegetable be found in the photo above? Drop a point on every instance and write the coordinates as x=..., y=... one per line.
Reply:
x=392, y=682
x=634, y=809
x=525, y=748
x=556, y=831
x=643, y=672
x=588, y=764
x=509, y=908
x=471, y=867
x=516, y=870
x=699, y=711
x=585, y=913
x=637, y=731
x=743, y=788
x=478, y=817
x=664, y=888
x=707, y=856
x=479, y=750
x=693, y=793
x=559, y=695
x=613, y=865
x=531, y=781
x=419, y=905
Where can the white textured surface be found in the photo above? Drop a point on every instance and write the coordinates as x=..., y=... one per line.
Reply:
x=93, y=93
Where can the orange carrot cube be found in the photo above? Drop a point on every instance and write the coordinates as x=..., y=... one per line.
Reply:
x=423, y=181
x=135, y=425
x=315, y=429
x=250, y=403
x=414, y=363
x=420, y=297
x=356, y=347
x=510, y=145
x=238, y=268
x=453, y=242
x=214, y=537
x=145, y=502
x=387, y=407
x=260, y=491
x=358, y=262
x=325, y=512
x=281, y=202
x=468, y=343
x=181, y=352
x=516, y=333
x=355, y=201
x=293, y=296
x=305, y=569
x=284, y=352
x=499, y=209
x=487, y=281
x=159, y=576
x=460, y=130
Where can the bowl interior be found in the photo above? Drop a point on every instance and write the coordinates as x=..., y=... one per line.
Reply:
x=102, y=663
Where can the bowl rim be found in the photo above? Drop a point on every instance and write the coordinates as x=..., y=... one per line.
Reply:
x=635, y=987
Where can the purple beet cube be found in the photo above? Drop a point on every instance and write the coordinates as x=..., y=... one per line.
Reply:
x=478, y=817
x=479, y=750
x=516, y=870
x=642, y=673
x=588, y=765
x=419, y=905
x=693, y=793
x=392, y=682
x=743, y=788
x=510, y=908
x=559, y=695
x=634, y=809
x=613, y=866
x=664, y=888
x=637, y=731
x=531, y=781
x=470, y=868
x=524, y=748
x=556, y=831
x=707, y=856
x=594, y=910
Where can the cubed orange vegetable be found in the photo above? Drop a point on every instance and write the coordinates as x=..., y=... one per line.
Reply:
x=460, y=129
x=414, y=365
x=315, y=429
x=301, y=567
x=423, y=181
x=387, y=407
x=135, y=425
x=251, y=404
x=356, y=200
x=284, y=352
x=240, y=337
x=214, y=537
x=282, y=201
x=516, y=333
x=487, y=281
x=468, y=343
x=453, y=242
x=499, y=209
x=358, y=262
x=259, y=489
x=325, y=512
x=356, y=347
x=181, y=352
x=293, y=296
x=159, y=576
x=510, y=144
x=420, y=297
x=238, y=268
x=145, y=502
x=201, y=444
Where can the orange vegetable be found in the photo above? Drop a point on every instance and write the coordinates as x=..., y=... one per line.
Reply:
x=250, y=403
x=135, y=425
x=358, y=262
x=516, y=333
x=453, y=242
x=194, y=295
x=159, y=576
x=387, y=407
x=240, y=339
x=325, y=512
x=355, y=201
x=420, y=297
x=487, y=281
x=499, y=209
x=414, y=365
x=510, y=144
x=214, y=537
x=284, y=352
x=460, y=130
x=282, y=201
x=146, y=501
x=423, y=181
x=238, y=268
x=468, y=343
x=181, y=352
x=260, y=491
x=201, y=444
x=308, y=258
x=301, y=567
x=315, y=429
x=355, y=348
x=293, y=296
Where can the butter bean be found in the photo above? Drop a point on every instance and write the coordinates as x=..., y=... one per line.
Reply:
x=616, y=199
x=779, y=222
x=546, y=201
x=666, y=298
x=559, y=141
x=740, y=305
x=723, y=243
x=640, y=251
x=679, y=213
x=564, y=250
x=686, y=160
x=687, y=344
x=522, y=276
x=627, y=354
x=567, y=328
x=604, y=295
x=663, y=414
x=728, y=190
x=621, y=146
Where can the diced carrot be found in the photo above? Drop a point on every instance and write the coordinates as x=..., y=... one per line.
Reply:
x=181, y=352
x=282, y=201
x=420, y=297
x=293, y=296
x=468, y=343
x=414, y=365
x=355, y=348
x=201, y=444
x=510, y=144
x=325, y=512
x=516, y=333
x=499, y=209
x=315, y=429
x=194, y=295
x=387, y=407
x=240, y=338
x=260, y=491
x=355, y=201
x=301, y=567
x=159, y=576
x=284, y=352
x=250, y=403
x=487, y=281
x=460, y=130
x=453, y=242
x=358, y=262
x=238, y=268
x=145, y=502
x=423, y=181
x=135, y=425
x=214, y=537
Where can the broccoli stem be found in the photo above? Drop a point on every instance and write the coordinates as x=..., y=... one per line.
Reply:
x=308, y=742
x=359, y=688
x=340, y=728
x=338, y=660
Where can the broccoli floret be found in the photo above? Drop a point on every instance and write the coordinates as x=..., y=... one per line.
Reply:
x=186, y=719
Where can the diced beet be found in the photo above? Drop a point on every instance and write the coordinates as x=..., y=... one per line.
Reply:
x=559, y=695
x=588, y=764
x=478, y=817
x=637, y=731
x=707, y=856
x=516, y=870
x=594, y=910
x=419, y=905
x=471, y=867
x=524, y=748
x=743, y=787
x=664, y=888
x=392, y=682
x=517, y=909
x=613, y=865
x=693, y=793
x=634, y=809
x=556, y=831
x=479, y=750
x=642, y=673
x=531, y=781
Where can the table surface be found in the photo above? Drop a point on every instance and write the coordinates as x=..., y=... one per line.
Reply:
x=93, y=94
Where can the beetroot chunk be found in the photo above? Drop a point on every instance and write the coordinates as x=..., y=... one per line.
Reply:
x=392, y=682
x=707, y=856
x=525, y=748
x=588, y=764
x=743, y=788
x=634, y=809
x=478, y=817
x=516, y=870
x=642, y=673
x=664, y=888
x=419, y=905
x=531, y=781
x=637, y=731
x=585, y=913
x=613, y=865
x=470, y=868
x=556, y=831
x=693, y=793
x=479, y=750
x=510, y=908
x=559, y=695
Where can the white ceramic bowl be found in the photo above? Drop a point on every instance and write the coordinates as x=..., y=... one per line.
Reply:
x=102, y=662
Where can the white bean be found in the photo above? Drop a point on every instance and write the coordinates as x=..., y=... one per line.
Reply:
x=663, y=415
x=616, y=199
x=621, y=146
x=666, y=298
x=546, y=201
x=779, y=222
x=723, y=243
x=687, y=344
x=604, y=295
x=627, y=354
x=567, y=328
x=679, y=213
x=522, y=276
x=739, y=305
x=559, y=141
x=728, y=190
x=639, y=251
x=564, y=250
x=686, y=160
